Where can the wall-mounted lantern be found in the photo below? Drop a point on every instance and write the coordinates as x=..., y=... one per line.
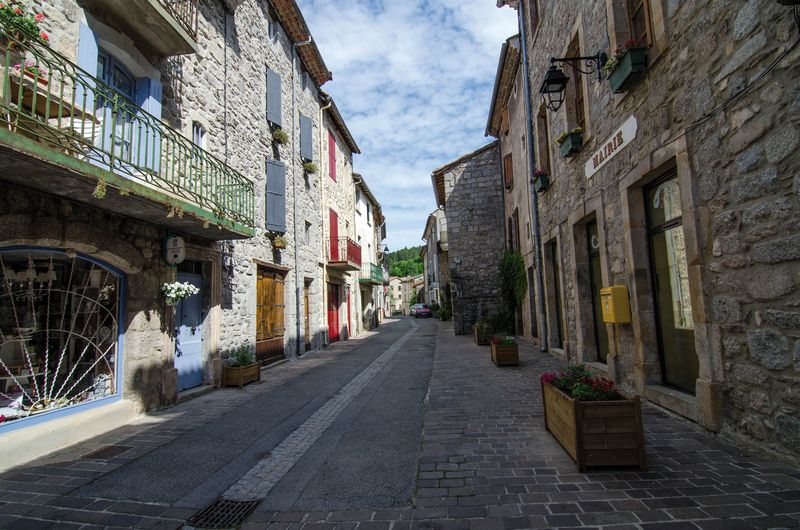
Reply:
x=555, y=81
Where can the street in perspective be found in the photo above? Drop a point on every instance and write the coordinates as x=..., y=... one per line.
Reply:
x=588, y=317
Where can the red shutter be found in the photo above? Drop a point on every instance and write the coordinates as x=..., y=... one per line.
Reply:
x=332, y=155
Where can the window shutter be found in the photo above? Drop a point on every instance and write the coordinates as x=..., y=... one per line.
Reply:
x=276, y=196
x=332, y=155
x=148, y=97
x=306, y=143
x=508, y=171
x=88, y=51
x=274, y=108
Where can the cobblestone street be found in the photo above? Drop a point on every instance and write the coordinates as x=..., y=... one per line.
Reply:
x=363, y=440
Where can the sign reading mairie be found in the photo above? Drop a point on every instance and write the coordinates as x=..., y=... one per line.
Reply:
x=611, y=147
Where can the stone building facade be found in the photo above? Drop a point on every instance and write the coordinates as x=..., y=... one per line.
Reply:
x=370, y=233
x=470, y=191
x=684, y=191
x=436, y=271
x=508, y=122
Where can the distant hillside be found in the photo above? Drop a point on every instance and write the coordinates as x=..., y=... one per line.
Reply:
x=404, y=262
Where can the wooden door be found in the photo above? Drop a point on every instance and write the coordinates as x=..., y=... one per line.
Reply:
x=270, y=310
x=334, y=229
x=333, y=312
x=306, y=316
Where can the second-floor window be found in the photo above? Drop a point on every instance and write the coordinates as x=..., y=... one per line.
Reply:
x=508, y=171
x=639, y=20
x=543, y=140
x=199, y=134
x=533, y=7
x=332, y=155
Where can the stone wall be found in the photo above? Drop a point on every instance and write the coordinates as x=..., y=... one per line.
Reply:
x=474, y=210
x=740, y=195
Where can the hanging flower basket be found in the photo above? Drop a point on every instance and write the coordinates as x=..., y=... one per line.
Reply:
x=175, y=292
x=595, y=424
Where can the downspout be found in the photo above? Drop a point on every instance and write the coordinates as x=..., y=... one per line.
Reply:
x=297, y=290
x=537, y=234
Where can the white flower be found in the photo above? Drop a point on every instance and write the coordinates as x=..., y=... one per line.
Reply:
x=176, y=291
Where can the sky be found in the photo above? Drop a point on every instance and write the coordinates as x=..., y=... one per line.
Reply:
x=413, y=80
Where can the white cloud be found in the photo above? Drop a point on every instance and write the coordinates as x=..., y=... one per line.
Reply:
x=413, y=80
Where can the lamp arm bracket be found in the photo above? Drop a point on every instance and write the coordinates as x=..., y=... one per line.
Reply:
x=594, y=63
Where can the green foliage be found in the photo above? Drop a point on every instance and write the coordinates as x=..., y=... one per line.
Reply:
x=435, y=307
x=514, y=281
x=413, y=298
x=502, y=322
x=445, y=313
x=578, y=382
x=405, y=262
x=241, y=356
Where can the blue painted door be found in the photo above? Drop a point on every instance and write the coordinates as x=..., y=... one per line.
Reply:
x=189, y=341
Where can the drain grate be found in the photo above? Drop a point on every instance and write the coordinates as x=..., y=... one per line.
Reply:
x=108, y=452
x=223, y=514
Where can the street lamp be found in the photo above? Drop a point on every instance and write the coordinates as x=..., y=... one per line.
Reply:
x=555, y=81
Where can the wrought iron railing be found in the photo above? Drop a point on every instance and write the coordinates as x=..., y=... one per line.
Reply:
x=47, y=98
x=344, y=249
x=185, y=12
x=371, y=273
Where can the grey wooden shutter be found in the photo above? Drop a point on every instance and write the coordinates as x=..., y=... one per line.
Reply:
x=306, y=146
x=274, y=112
x=276, y=196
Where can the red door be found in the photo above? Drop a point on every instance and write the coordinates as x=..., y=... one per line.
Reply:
x=334, y=242
x=333, y=312
x=348, y=314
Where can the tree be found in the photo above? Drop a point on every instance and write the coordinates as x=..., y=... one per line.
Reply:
x=405, y=262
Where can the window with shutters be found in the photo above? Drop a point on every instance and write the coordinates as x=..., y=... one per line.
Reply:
x=639, y=21
x=276, y=196
x=274, y=108
x=543, y=141
x=533, y=8
x=505, y=122
x=332, y=155
x=576, y=105
x=508, y=172
x=306, y=139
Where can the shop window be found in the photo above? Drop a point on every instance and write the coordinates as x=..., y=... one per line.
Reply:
x=670, y=275
x=59, y=331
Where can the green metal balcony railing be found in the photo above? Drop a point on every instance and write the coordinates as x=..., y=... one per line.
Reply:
x=49, y=99
x=185, y=12
x=371, y=273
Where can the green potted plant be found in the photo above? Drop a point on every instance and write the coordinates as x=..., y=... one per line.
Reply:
x=310, y=168
x=570, y=142
x=279, y=136
x=627, y=65
x=505, y=351
x=483, y=333
x=240, y=367
x=592, y=420
x=541, y=180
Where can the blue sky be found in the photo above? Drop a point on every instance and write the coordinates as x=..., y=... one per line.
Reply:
x=413, y=80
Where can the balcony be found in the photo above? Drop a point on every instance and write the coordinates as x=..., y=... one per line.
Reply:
x=164, y=27
x=371, y=274
x=344, y=254
x=66, y=133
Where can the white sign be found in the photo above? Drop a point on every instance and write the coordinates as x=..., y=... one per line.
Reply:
x=174, y=250
x=621, y=138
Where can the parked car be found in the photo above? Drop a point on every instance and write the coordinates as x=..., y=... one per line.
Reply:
x=414, y=308
x=423, y=312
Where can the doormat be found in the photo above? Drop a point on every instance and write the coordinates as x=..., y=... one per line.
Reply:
x=223, y=513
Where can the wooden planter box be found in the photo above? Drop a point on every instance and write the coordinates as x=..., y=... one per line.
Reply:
x=596, y=433
x=505, y=354
x=571, y=145
x=240, y=375
x=630, y=68
x=478, y=340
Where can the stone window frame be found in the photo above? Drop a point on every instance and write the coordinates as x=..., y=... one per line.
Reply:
x=618, y=24
x=577, y=33
x=705, y=406
x=586, y=345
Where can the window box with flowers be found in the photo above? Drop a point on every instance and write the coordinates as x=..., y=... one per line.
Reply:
x=626, y=66
x=592, y=421
x=505, y=351
x=570, y=142
x=541, y=180
x=483, y=333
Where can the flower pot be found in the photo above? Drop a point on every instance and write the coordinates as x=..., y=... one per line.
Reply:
x=629, y=69
x=480, y=340
x=505, y=354
x=571, y=144
x=36, y=76
x=240, y=375
x=596, y=433
x=541, y=183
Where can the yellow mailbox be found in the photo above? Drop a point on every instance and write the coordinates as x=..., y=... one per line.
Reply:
x=614, y=301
